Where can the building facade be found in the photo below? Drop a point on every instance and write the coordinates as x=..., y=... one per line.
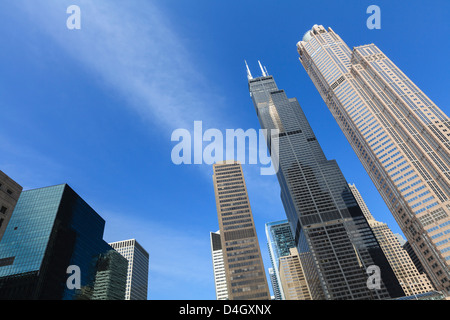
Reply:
x=220, y=279
x=138, y=266
x=276, y=285
x=294, y=284
x=52, y=230
x=410, y=279
x=9, y=194
x=414, y=257
x=334, y=240
x=400, y=136
x=244, y=269
x=109, y=280
x=279, y=242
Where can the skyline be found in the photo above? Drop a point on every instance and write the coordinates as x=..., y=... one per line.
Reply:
x=77, y=104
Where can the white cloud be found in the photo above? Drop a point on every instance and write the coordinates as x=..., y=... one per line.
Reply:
x=130, y=48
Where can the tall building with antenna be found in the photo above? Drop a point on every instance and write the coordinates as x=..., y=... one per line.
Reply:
x=335, y=244
x=400, y=136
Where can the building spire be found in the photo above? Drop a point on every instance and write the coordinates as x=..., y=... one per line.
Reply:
x=249, y=74
x=262, y=69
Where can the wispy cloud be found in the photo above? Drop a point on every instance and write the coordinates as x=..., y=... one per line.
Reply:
x=130, y=48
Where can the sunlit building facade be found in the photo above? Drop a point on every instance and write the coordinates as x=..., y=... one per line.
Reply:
x=244, y=268
x=400, y=136
x=294, y=284
x=220, y=279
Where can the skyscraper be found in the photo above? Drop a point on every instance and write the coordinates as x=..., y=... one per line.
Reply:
x=406, y=272
x=334, y=241
x=414, y=257
x=400, y=136
x=51, y=230
x=137, y=272
x=220, y=279
x=9, y=194
x=279, y=242
x=276, y=285
x=294, y=284
x=244, y=269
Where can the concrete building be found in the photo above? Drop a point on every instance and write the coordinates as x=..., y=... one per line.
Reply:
x=220, y=279
x=414, y=257
x=400, y=136
x=138, y=267
x=294, y=284
x=410, y=279
x=9, y=194
x=244, y=269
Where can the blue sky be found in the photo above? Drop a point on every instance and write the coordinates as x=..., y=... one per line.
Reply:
x=96, y=107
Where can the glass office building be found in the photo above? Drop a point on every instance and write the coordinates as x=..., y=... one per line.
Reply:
x=109, y=280
x=333, y=238
x=279, y=241
x=51, y=229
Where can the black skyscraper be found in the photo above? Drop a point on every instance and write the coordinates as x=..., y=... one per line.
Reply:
x=333, y=237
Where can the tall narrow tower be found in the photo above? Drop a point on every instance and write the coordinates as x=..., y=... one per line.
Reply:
x=220, y=280
x=334, y=241
x=244, y=269
x=400, y=136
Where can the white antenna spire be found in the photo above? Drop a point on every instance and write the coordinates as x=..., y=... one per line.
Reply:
x=262, y=70
x=249, y=74
x=267, y=73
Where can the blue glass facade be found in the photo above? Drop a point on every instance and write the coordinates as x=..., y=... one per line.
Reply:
x=51, y=228
x=279, y=241
x=29, y=230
